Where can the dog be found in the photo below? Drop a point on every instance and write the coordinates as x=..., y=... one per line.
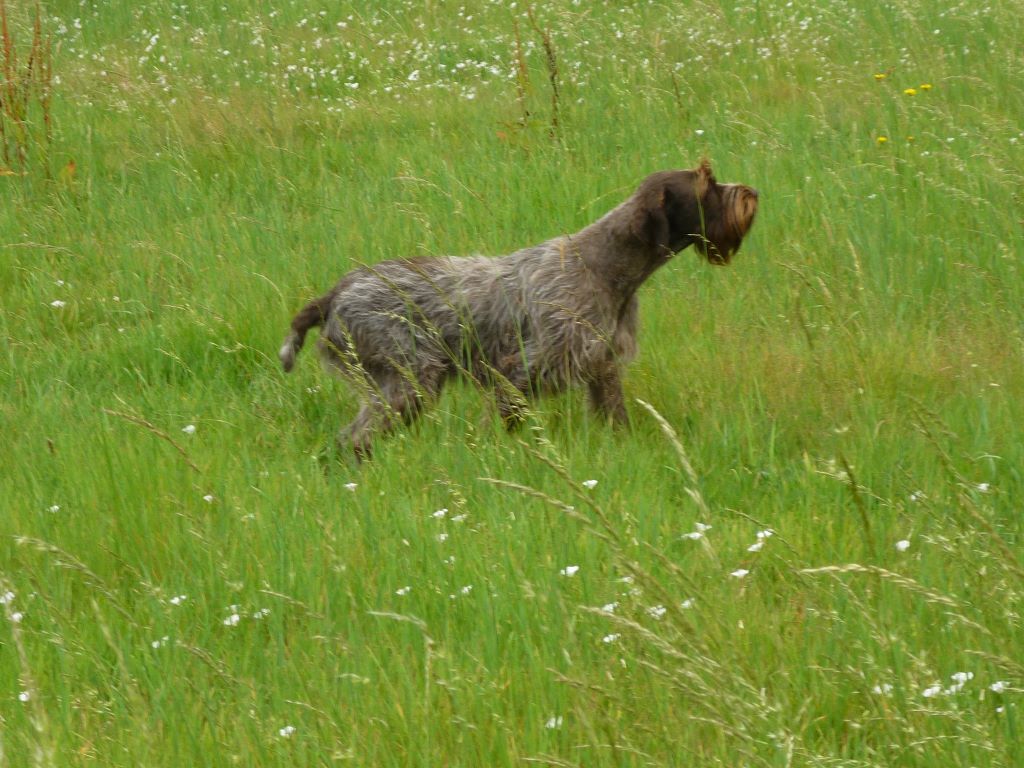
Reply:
x=535, y=321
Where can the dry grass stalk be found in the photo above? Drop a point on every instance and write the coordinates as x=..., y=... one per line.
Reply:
x=552, y=65
x=25, y=95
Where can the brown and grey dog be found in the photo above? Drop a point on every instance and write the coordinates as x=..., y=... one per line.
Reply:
x=538, y=320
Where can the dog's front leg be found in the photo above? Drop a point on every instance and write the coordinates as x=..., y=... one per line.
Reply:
x=606, y=395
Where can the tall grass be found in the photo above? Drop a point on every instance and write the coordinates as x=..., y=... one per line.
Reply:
x=805, y=551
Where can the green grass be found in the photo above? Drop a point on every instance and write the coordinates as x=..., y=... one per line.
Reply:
x=853, y=380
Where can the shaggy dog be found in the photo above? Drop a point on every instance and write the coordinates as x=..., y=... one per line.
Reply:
x=538, y=320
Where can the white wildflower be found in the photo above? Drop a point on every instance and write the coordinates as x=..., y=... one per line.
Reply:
x=569, y=570
x=757, y=546
x=351, y=486
x=24, y=696
x=611, y=638
x=232, y=620
x=903, y=545
x=767, y=533
x=208, y=498
x=590, y=483
x=693, y=535
x=998, y=686
x=287, y=731
x=442, y=537
x=178, y=599
x=17, y=616
x=687, y=603
x=883, y=689
x=702, y=527
x=440, y=513
x=53, y=508
x=931, y=691
x=657, y=612
x=553, y=722
x=57, y=303
x=609, y=607
x=189, y=429
x=403, y=591
x=6, y=598
x=959, y=681
x=739, y=573
x=983, y=487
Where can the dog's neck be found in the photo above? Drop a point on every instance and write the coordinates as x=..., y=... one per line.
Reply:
x=616, y=258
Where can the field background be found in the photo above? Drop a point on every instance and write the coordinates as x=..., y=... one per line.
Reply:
x=211, y=596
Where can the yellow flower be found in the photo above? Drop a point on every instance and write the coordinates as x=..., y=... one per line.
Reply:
x=910, y=91
x=880, y=76
x=881, y=140
x=910, y=138
x=926, y=86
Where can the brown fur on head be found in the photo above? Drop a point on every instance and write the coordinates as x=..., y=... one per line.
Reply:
x=680, y=208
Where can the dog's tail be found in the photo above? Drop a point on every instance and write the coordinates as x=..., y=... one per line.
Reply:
x=312, y=315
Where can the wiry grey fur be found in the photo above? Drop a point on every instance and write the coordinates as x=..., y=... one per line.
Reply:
x=538, y=320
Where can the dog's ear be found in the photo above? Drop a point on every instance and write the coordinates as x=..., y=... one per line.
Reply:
x=704, y=178
x=650, y=223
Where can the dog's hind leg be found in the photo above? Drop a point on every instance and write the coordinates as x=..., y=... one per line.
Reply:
x=397, y=399
x=511, y=388
x=358, y=435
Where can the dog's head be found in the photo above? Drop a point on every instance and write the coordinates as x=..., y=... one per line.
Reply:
x=675, y=209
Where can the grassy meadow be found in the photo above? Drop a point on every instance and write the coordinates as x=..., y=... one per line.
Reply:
x=805, y=552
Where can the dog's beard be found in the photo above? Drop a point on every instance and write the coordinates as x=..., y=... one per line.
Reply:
x=740, y=205
x=724, y=233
